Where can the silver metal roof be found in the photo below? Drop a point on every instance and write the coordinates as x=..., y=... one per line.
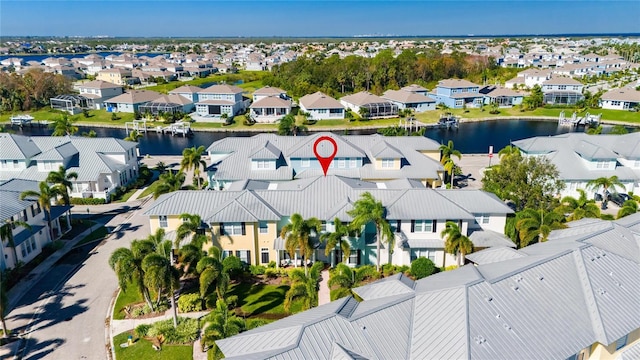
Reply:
x=558, y=298
x=488, y=239
x=494, y=254
x=17, y=147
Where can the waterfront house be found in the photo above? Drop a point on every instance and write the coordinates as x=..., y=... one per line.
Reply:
x=529, y=78
x=188, y=91
x=28, y=241
x=115, y=76
x=321, y=106
x=247, y=222
x=102, y=164
x=130, y=101
x=216, y=100
x=580, y=158
x=369, y=106
x=415, y=88
x=99, y=91
x=562, y=91
x=516, y=305
x=171, y=103
x=268, y=91
x=625, y=98
x=272, y=157
x=405, y=99
x=504, y=97
x=457, y=93
x=269, y=109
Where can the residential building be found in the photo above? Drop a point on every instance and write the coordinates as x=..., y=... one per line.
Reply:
x=247, y=222
x=321, y=106
x=269, y=109
x=255, y=62
x=504, y=97
x=415, y=88
x=405, y=99
x=217, y=100
x=102, y=164
x=269, y=91
x=99, y=91
x=581, y=158
x=171, y=103
x=562, y=91
x=130, y=101
x=28, y=241
x=272, y=157
x=188, y=91
x=529, y=78
x=114, y=76
x=369, y=105
x=625, y=98
x=457, y=93
x=572, y=297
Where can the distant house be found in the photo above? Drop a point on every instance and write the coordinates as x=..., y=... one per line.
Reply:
x=129, y=102
x=255, y=62
x=321, y=106
x=188, y=91
x=114, y=76
x=28, y=241
x=171, y=103
x=270, y=109
x=269, y=91
x=410, y=100
x=457, y=93
x=374, y=106
x=415, y=88
x=217, y=100
x=501, y=96
x=102, y=164
x=562, y=91
x=99, y=91
x=529, y=78
x=621, y=99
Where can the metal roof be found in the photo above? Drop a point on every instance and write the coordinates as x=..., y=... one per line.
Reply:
x=17, y=147
x=487, y=238
x=494, y=254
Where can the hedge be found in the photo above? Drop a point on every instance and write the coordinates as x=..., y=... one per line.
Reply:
x=86, y=201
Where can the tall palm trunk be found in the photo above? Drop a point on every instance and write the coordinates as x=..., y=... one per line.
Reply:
x=378, y=243
x=145, y=293
x=5, y=331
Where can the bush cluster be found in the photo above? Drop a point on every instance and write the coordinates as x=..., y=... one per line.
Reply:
x=186, y=332
x=257, y=270
x=86, y=201
x=422, y=267
x=189, y=303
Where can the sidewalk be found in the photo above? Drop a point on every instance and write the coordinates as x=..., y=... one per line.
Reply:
x=20, y=289
x=120, y=326
x=324, y=293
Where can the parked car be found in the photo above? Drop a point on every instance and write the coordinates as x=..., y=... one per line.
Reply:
x=619, y=198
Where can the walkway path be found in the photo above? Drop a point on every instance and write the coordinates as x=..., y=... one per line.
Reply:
x=324, y=294
x=120, y=326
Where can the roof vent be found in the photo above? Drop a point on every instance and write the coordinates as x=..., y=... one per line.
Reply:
x=479, y=340
x=497, y=316
x=602, y=291
x=489, y=298
x=540, y=277
x=515, y=287
x=518, y=278
x=506, y=326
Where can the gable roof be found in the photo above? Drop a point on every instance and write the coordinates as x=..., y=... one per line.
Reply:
x=456, y=83
x=16, y=147
x=406, y=97
x=490, y=311
x=186, y=89
x=135, y=97
x=221, y=89
x=268, y=90
x=98, y=84
x=363, y=98
x=319, y=100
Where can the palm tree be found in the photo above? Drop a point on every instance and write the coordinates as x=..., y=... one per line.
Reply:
x=449, y=167
x=605, y=183
x=169, y=182
x=159, y=274
x=367, y=209
x=190, y=225
x=189, y=257
x=63, y=126
x=448, y=151
x=4, y=308
x=220, y=323
x=455, y=242
x=628, y=207
x=303, y=287
x=45, y=196
x=579, y=208
x=134, y=136
x=127, y=264
x=192, y=159
x=297, y=235
x=62, y=180
x=6, y=234
x=161, y=167
x=212, y=276
x=535, y=225
x=508, y=151
x=344, y=277
x=339, y=237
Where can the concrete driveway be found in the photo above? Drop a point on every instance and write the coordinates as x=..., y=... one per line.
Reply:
x=63, y=316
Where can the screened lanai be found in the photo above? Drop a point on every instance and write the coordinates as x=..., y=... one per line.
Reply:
x=70, y=103
x=156, y=107
x=562, y=97
x=381, y=109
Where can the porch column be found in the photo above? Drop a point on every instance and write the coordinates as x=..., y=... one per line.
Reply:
x=277, y=259
x=295, y=258
x=333, y=258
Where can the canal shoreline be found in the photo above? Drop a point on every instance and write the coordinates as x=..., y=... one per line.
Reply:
x=346, y=128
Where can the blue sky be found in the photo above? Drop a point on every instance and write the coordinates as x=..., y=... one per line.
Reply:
x=233, y=18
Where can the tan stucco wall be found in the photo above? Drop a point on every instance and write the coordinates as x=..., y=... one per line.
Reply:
x=396, y=165
x=608, y=352
x=173, y=221
x=238, y=242
x=434, y=154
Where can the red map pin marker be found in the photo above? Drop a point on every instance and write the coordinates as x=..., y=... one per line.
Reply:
x=325, y=161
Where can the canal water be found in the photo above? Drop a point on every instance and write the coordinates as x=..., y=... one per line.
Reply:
x=470, y=138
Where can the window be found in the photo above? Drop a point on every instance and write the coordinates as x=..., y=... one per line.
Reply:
x=459, y=102
x=33, y=243
x=426, y=253
x=232, y=229
x=602, y=165
x=23, y=250
x=15, y=164
x=4, y=164
x=387, y=163
x=24, y=215
x=342, y=163
x=264, y=255
x=423, y=226
x=353, y=163
x=615, y=103
x=163, y=221
x=263, y=227
x=226, y=253
x=622, y=342
x=482, y=218
x=305, y=162
x=262, y=164
x=323, y=226
x=562, y=87
x=244, y=256
x=395, y=225
x=354, y=257
x=636, y=163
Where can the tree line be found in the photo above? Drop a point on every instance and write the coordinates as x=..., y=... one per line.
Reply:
x=31, y=90
x=334, y=76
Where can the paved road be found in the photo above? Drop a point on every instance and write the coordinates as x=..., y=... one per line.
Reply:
x=64, y=314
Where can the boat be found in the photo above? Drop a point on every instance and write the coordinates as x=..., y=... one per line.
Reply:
x=448, y=121
x=21, y=119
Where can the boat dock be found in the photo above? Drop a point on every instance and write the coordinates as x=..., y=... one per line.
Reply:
x=586, y=120
x=27, y=120
x=179, y=128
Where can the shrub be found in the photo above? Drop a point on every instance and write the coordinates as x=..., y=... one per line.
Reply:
x=186, y=332
x=338, y=293
x=402, y=269
x=254, y=323
x=232, y=265
x=388, y=270
x=86, y=201
x=367, y=272
x=422, y=267
x=272, y=273
x=189, y=302
x=257, y=269
x=272, y=264
x=142, y=330
x=450, y=267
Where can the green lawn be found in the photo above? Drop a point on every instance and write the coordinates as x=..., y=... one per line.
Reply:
x=150, y=189
x=130, y=296
x=141, y=349
x=99, y=233
x=260, y=299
